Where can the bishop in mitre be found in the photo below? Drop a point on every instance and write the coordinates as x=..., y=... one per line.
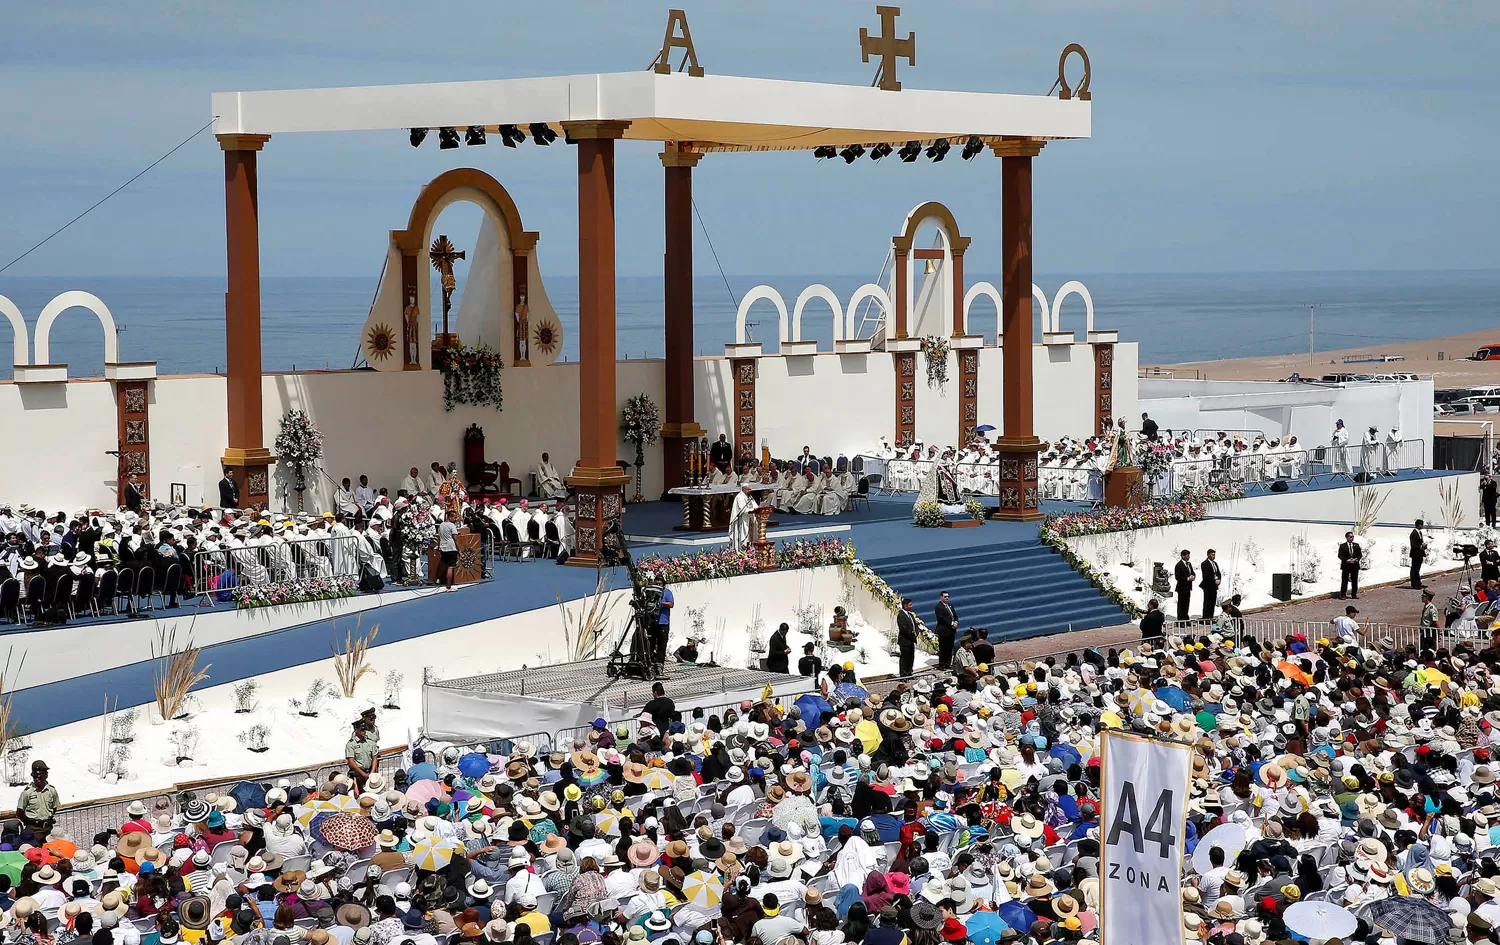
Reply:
x=742, y=519
x=549, y=485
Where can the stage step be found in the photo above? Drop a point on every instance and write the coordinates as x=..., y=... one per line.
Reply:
x=1017, y=590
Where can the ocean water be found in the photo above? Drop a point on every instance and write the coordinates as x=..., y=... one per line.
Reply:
x=315, y=322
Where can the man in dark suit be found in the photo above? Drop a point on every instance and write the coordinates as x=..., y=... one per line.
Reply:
x=906, y=636
x=1489, y=562
x=1184, y=575
x=721, y=454
x=1153, y=621
x=134, y=498
x=1349, y=555
x=1148, y=427
x=1418, y=555
x=1212, y=577
x=229, y=491
x=947, y=630
x=1488, y=491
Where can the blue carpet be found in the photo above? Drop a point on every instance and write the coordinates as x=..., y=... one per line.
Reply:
x=1016, y=589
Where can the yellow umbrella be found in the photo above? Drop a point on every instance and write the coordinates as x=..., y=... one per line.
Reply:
x=343, y=802
x=1436, y=678
x=1011, y=778
x=868, y=733
x=431, y=855
x=607, y=822
x=657, y=779
x=703, y=889
x=304, y=813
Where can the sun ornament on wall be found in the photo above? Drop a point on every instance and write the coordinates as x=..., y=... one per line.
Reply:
x=546, y=336
x=380, y=343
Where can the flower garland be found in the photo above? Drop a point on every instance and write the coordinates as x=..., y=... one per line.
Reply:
x=1100, y=579
x=299, y=444
x=641, y=423
x=935, y=356
x=727, y=563
x=927, y=515
x=295, y=592
x=1148, y=515
x=471, y=375
x=887, y=596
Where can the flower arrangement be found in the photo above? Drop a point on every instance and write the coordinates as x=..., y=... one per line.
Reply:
x=1100, y=579
x=935, y=357
x=717, y=565
x=471, y=375
x=927, y=515
x=1156, y=514
x=299, y=446
x=888, y=597
x=1208, y=494
x=641, y=423
x=295, y=592
x=976, y=509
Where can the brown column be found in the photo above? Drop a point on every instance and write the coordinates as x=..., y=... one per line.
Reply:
x=900, y=300
x=906, y=397
x=596, y=478
x=680, y=432
x=246, y=454
x=960, y=323
x=133, y=439
x=1019, y=497
x=1104, y=386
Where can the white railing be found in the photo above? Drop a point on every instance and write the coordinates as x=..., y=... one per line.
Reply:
x=278, y=562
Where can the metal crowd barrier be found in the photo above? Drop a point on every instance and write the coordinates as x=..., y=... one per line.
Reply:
x=285, y=559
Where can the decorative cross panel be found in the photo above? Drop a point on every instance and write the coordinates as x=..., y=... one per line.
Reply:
x=968, y=395
x=1017, y=484
x=744, y=408
x=906, y=398
x=1104, y=384
x=134, y=435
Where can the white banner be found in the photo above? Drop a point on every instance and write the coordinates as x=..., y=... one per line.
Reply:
x=464, y=715
x=1144, y=797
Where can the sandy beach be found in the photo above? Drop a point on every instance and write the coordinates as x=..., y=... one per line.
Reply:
x=1443, y=358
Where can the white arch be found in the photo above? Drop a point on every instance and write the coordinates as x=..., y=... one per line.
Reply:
x=76, y=299
x=1082, y=291
x=1047, y=313
x=868, y=291
x=975, y=291
x=12, y=312
x=750, y=298
x=818, y=291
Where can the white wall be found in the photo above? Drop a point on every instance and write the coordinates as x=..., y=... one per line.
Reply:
x=382, y=423
x=1405, y=501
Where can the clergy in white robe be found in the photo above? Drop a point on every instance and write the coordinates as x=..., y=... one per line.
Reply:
x=811, y=500
x=1340, y=444
x=742, y=524
x=564, y=528
x=436, y=476
x=369, y=551
x=413, y=484
x=549, y=483
x=1390, y=458
x=840, y=487
x=801, y=482
x=1367, y=448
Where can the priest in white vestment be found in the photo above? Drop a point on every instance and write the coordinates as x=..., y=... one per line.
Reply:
x=549, y=484
x=1390, y=459
x=412, y=485
x=742, y=526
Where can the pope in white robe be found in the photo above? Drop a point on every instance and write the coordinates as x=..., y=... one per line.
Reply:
x=549, y=484
x=742, y=528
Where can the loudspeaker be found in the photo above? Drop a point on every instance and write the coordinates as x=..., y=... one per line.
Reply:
x=1364, y=477
x=1281, y=586
x=1279, y=486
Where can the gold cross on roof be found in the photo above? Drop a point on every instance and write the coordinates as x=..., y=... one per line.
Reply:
x=888, y=47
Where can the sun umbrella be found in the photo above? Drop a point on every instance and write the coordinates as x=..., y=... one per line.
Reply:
x=702, y=889
x=848, y=690
x=813, y=708
x=657, y=779
x=1320, y=920
x=607, y=822
x=473, y=765
x=11, y=864
x=1175, y=698
x=983, y=428
x=431, y=855
x=346, y=831
x=345, y=802
x=1412, y=919
x=985, y=928
x=304, y=813
x=424, y=791
x=1228, y=837
x=1294, y=672
x=248, y=794
x=1436, y=678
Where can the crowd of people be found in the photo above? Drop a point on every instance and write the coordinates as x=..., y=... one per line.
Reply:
x=957, y=807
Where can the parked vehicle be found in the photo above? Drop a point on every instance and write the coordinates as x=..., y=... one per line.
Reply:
x=1490, y=352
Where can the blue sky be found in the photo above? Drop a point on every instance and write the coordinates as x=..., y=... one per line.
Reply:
x=1227, y=136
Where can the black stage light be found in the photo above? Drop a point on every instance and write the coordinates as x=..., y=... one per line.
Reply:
x=418, y=135
x=825, y=151
x=511, y=135
x=474, y=134
x=910, y=151
x=879, y=151
x=542, y=133
x=973, y=147
x=852, y=153
x=939, y=149
x=447, y=138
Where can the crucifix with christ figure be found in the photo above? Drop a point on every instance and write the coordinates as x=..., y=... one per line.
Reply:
x=443, y=255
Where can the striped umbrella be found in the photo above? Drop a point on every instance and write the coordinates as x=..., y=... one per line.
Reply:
x=657, y=779
x=703, y=889
x=1411, y=919
x=431, y=855
x=607, y=822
